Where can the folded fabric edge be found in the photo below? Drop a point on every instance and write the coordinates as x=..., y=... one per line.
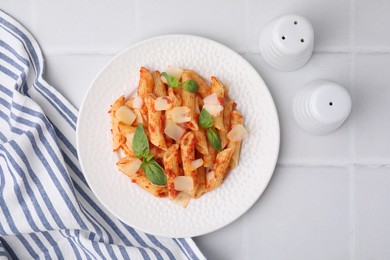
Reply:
x=186, y=244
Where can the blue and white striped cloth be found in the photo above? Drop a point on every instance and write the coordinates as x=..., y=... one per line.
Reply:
x=47, y=208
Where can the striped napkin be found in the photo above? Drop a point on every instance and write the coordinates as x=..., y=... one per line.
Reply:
x=47, y=209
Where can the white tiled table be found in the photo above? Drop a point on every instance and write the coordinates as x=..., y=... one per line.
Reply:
x=330, y=195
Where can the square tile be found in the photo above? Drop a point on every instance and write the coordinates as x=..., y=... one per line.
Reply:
x=219, y=20
x=371, y=102
x=84, y=26
x=330, y=20
x=303, y=214
x=372, y=24
x=372, y=213
x=71, y=75
x=226, y=243
x=297, y=146
x=20, y=10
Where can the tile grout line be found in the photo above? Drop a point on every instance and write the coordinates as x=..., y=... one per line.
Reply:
x=340, y=50
x=351, y=199
x=330, y=165
x=87, y=52
x=245, y=224
x=352, y=134
x=136, y=17
x=33, y=17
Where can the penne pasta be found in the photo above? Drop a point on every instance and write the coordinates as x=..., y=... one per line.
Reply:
x=227, y=110
x=137, y=104
x=142, y=116
x=208, y=159
x=176, y=103
x=169, y=141
x=117, y=104
x=199, y=101
x=129, y=103
x=199, y=104
x=182, y=199
x=134, y=103
x=204, y=90
x=218, y=122
x=128, y=151
x=125, y=129
x=139, y=178
x=139, y=119
x=176, y=98
x=117, y=138
x=156, y=152
x=218, y=88
x=189, y=100
x=187, y=148
x=178, y=91
x=171, y=161
x=187, y=151
x=146, y=83
x=143, y=182
x=224, y=139
x=201, y=172
x=236, y=119
x=228, y=107
x=155, y=124
x=192, y=125
x=159, y=87
x=201, y=141
x=220, y=167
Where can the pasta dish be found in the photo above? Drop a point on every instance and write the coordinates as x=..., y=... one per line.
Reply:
x=179, y=136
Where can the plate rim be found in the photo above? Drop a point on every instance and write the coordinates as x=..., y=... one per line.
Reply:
x=220, y=45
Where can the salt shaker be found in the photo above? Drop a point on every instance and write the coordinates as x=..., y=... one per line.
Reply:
x=287, y=42
x=321, y=107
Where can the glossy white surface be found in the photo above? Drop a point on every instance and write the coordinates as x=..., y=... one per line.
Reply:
x=321, y=107
x=243, y=185
x=287, y=42
x=329, y=197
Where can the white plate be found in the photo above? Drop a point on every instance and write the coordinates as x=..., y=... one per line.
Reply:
x=242, y=187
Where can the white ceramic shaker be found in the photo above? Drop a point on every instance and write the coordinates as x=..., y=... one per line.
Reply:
x=286, y=43
x=321, y=107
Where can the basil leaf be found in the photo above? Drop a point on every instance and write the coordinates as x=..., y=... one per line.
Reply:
x=172, y=81
x=148, y=157
x=190, y=86
x=214, y=139
x=143, y=164
x=205, y=121
x=140, y=143
x=155, y=173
